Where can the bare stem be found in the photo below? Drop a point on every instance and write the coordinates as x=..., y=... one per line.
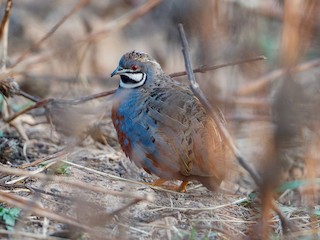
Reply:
x=4, y=34
x=262, y=82
x=204, y=69
x=199, y=94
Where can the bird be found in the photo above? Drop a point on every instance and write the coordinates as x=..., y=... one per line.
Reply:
x=163, y=128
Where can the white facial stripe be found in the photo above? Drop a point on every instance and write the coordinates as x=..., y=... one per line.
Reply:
x=134, y=76
x=133, y=85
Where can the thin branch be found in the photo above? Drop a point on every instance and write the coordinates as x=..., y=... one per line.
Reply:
x=198, y=93
x=28, y=96
x=204, y=69
x=34, y=46
x=4, y=34
x=45, y=102
x=37, y=105
x=122, y=21
x=32, y=206
x=87, y=98
x=262, y=82
x=46, y=158
x=5, y=17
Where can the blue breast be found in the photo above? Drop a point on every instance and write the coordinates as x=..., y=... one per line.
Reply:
x=134, y=122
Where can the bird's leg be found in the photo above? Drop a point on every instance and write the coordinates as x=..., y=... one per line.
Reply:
x=159, y=182
x=183, y=187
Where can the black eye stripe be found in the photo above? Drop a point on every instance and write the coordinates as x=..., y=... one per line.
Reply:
x=125, y=79
x=127, y=82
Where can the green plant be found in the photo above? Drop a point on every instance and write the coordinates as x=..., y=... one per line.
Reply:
x=62, y=169
x=9, y=216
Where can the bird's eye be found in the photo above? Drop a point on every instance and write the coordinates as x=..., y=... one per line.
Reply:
x=134, y=67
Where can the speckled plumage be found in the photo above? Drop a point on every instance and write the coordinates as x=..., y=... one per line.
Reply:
x=163, y=127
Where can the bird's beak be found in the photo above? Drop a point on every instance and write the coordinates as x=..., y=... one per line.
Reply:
x=118, y=71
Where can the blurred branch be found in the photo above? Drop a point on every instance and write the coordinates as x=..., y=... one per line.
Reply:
x=46, y=158
x=34, y=46
x=5, y=17
x=262, y=82
x=4, y=34
x=204, y=69
x=35, y=208
x=87, y=98
x=45, y=102
x=122, y=21
x=28, y=96
x=39, y=104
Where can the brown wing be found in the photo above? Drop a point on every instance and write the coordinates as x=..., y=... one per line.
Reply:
x=189, y=136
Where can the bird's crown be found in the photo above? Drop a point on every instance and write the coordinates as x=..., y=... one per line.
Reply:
x=137, y=56
x=135, y=68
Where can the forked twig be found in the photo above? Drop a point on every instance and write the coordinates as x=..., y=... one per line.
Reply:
x=221, y=128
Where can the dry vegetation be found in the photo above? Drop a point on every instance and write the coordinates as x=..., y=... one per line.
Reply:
x=63, y=175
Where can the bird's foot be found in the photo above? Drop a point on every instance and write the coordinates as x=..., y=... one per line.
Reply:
x=159, y=183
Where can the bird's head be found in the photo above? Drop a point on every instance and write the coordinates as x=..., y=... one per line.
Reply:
x=135, y=68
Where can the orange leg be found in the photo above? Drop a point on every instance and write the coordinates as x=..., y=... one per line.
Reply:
x=158, y=182
x=182, y=188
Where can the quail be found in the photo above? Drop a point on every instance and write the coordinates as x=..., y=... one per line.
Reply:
x=162, y=126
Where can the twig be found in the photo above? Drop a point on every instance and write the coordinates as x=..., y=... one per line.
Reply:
x=221, y=128
x=4, y=34
x=198, y=93
x=204, y=69
x=87, y=98
x=28, y=96
x=30, y=205
x=46, y=158
x=122, y=21
x=260, y=83
x=37, y=105
x=236, y=202
x=34, y=46
x=45, y=102
x=38, y=170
